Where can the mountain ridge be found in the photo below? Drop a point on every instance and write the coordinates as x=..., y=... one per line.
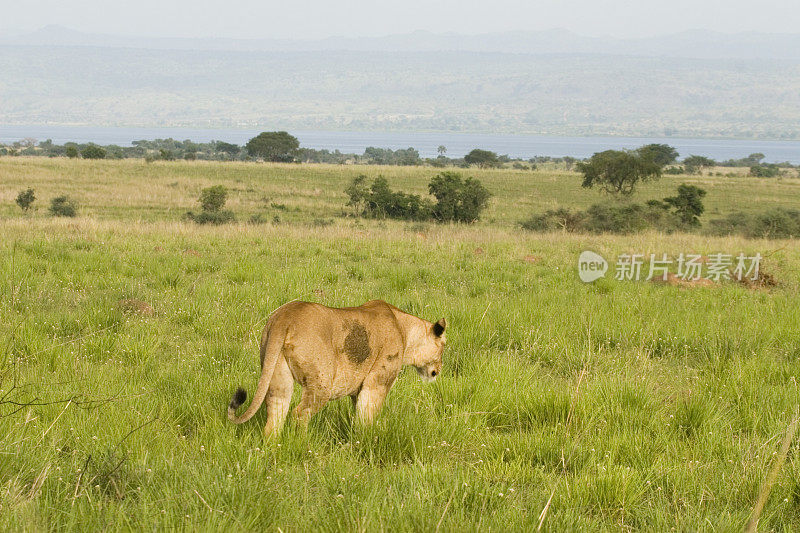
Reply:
x=701, y=44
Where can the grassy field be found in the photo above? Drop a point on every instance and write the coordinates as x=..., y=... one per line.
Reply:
x=606, y=406
x=135, y=190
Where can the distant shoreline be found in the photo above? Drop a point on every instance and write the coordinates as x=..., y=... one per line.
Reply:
x=457, y=144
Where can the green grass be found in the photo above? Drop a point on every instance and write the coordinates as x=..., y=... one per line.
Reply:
x=632, y=405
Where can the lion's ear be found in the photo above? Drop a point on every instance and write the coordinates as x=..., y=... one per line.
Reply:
x=438, y=328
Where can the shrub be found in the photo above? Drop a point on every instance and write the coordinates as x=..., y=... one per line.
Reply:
x=777, y=223
x=556, y=219
x=212, y=217
x=71, y=151
x=63, y=206
x=383, y=202
x=379, y=201
x=93, y=152
x=458, y=200
x=606, y=218
x=212, y=199
x=765, y=171
x=25, y=199
x=258, y=218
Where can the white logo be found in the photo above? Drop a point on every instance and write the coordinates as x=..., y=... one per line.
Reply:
x=591, y=266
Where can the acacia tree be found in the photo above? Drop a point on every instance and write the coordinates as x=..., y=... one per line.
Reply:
x=618, y=172
x=694, y=162
x=276, y=146
x=662, y=154
x=227, y=148
x=482, y=158
x=688, y=204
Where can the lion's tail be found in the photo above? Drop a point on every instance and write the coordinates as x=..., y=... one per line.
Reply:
x=270, y=351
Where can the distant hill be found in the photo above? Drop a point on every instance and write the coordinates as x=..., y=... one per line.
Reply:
x=540, y=83
x=700, y=44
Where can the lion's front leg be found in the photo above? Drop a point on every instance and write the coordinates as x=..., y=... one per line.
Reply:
x=369, y=403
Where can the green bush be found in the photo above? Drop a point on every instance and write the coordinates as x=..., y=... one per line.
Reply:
x=556, y=219
x=379, y=201
x=765, y=171
x=212, y=200
x=212, y=217
x=694, y=163
x=776, y=223
x=93, y=152
x=63, y=206
x=629, y=218
x=606, y=218
x=71, y=151
x=675, y=170
x=458, y=200
x=25, y=199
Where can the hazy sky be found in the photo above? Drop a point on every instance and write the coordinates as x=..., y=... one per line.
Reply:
x=321, y=18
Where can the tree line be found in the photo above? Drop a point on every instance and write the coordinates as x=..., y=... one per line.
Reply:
x=280, y=146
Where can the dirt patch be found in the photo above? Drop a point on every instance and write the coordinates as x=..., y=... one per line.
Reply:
x=137, y=307
x=532, y=258
x=189, y=251
x=763, y=281
x=479, y=251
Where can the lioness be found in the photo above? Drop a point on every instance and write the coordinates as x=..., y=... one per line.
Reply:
x=354, y=351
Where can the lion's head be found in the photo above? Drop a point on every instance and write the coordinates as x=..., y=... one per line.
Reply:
x=428, y=352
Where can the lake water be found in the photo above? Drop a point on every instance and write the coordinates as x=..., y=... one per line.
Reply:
x=458, y=144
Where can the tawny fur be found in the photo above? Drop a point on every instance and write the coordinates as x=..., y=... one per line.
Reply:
x=330, y=352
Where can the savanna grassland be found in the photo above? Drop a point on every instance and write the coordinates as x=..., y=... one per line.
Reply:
x=605, y=406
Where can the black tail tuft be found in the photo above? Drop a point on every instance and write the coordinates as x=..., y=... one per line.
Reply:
x=238, y=398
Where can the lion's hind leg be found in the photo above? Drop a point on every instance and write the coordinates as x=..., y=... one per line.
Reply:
x=312, y=400
x=278, y=398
